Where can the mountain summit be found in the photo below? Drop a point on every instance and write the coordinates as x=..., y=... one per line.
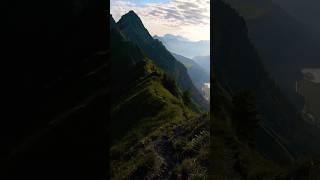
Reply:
x=130, y=23
x=132, y=16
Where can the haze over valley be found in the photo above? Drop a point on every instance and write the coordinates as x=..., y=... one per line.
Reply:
x=195, y=55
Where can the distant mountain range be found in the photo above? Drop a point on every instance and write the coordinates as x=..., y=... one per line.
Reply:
x=170, y=37
x=198, y=51
x=185, y=47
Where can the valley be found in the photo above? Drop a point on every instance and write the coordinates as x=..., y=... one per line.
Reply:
x=206, y=91
x=198, y=67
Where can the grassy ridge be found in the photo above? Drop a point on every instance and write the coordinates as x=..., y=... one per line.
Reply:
x=154, y=117
x=155, y=134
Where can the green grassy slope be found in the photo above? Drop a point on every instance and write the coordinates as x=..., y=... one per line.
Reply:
x=164, y=129
x=133, y=29
x=155, y=134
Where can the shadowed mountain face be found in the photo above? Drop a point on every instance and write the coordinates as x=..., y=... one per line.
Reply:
x=238, y=66
x=279, y=136
x=185, y=47
x=231, y=156
x=133, y=29
x=283, y=43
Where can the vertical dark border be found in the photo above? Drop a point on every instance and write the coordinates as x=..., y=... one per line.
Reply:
x=40, y=33
x=107, y=149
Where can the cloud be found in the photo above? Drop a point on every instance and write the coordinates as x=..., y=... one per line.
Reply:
x=189, y=18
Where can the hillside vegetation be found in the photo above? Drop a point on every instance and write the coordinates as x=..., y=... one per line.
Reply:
x=155, y=133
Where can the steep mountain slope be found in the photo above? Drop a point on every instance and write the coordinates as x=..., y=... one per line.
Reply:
x=239, y=123
x=183, y=46
x=198, y=75
x=203, y=61
x=133, y=29
x=238, y=67
x=154, y=132
x=284, y=45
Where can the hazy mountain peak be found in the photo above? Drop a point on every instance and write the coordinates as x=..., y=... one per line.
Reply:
x=175, y=37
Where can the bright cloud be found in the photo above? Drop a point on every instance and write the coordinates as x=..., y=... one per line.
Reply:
x=188, y=18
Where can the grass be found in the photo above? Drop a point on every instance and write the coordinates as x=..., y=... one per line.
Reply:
x=146, y=113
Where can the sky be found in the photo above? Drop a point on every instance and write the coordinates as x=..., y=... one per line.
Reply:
x=187, y=18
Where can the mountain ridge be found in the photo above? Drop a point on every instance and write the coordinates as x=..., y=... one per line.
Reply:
x=154, y=49
x=151, y=119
